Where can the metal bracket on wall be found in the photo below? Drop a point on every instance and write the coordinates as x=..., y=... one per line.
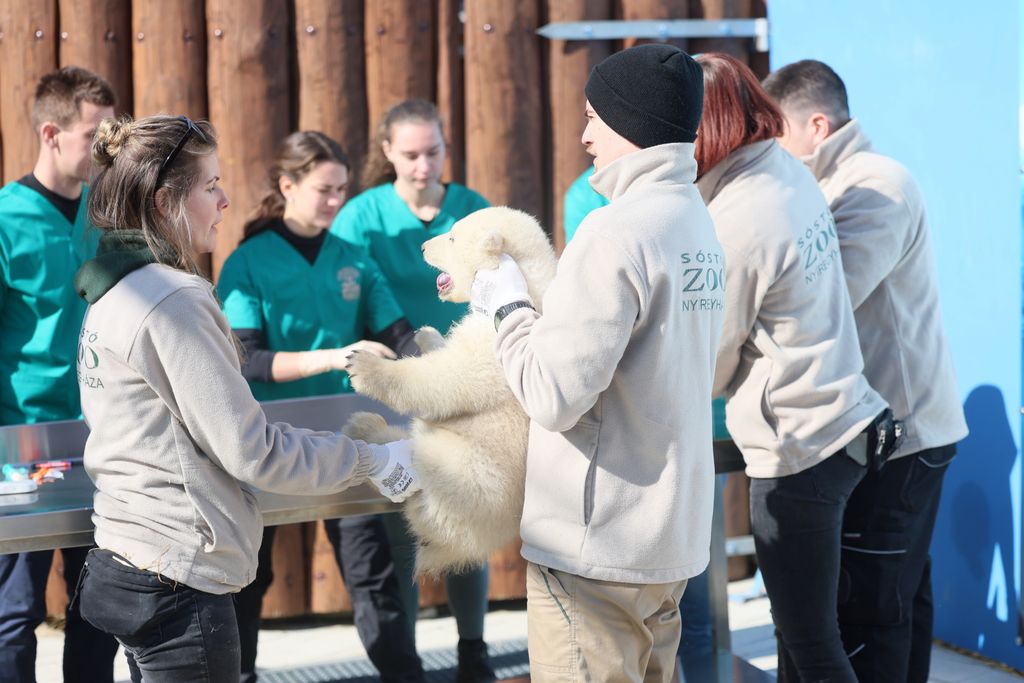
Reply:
x=660, y=30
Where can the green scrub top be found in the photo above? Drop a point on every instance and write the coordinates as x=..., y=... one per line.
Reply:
x=581, y=199
x=300, y=306
x=379, y=222
x=40, y=313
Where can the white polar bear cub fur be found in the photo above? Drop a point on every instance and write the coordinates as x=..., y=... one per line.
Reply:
x=469, y=433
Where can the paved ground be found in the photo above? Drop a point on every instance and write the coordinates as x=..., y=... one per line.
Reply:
x=322, y=651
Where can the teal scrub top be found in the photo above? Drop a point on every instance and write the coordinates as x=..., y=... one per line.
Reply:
x=581, y=199
x=40, y=313
x=379, y=222
x=266, y=284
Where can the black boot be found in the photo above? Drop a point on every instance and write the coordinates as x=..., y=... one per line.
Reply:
x=474, y=666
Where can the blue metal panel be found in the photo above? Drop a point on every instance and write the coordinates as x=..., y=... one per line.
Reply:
x=937, y=85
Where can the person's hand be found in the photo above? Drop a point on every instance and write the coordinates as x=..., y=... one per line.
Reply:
x=324, y=360
x=393, y=473
x=496, y=287
x=344, y=354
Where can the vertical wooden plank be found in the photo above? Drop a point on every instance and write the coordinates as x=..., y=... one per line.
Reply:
x=56, y=588
x=433, y=592
x=95, y=34
x=504, y=115
x=721, y=9
x=327, y=593
x=399, y=54
x=169, y=57
x=508, y=572
x=451, y=88
x=287, y=595
x=250, y=101
x=569, y=65
x=758, y=61
x=654, y=9
x=331, y=72
x=28, y=50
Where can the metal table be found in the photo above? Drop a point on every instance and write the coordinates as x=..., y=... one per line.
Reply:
x=59, y=514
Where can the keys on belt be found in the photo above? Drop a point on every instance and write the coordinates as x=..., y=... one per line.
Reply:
x=884, y=436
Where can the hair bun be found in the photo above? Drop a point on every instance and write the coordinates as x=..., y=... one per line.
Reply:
x=111, y=138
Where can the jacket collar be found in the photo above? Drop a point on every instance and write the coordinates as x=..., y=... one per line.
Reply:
x=739, y=160
x=836, y=149
x=119, y=252
x=671, y=163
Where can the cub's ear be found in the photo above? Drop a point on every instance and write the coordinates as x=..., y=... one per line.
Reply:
x=492, y=242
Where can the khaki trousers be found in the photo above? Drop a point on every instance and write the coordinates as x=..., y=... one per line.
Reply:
x=586, y=630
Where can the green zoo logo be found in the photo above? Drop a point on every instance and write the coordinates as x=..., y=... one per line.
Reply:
x=707, y=276
x=817, y=239
x=87, y=357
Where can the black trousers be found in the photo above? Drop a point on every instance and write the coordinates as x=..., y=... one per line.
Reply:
x=797, y=522
x=885, y=600
x=88, y=653
x=170, y=632
x=364, y=558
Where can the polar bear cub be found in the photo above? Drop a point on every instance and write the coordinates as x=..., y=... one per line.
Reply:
x=469, y=433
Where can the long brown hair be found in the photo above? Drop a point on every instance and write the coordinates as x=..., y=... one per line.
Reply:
x=297, y=155
x=128, y=156
x=737, y=110
x=377, y=169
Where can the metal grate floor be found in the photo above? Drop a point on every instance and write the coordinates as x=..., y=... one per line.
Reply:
x=508, y=658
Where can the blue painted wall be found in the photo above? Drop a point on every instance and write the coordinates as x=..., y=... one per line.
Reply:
x=939, y=88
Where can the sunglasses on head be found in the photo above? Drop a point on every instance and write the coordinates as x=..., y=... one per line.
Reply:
x=190, y=129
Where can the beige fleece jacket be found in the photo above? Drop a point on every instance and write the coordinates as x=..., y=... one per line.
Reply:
x=176, y=438
x=789, y=362
x=616, y=378
x=893, y=284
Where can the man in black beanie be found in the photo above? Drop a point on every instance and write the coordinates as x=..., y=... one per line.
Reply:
x=616, y=378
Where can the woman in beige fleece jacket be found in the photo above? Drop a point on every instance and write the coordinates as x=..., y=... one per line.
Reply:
x=178, y=443
x=789, y=362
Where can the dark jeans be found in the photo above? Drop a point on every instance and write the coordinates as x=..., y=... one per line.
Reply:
x=885, y=600
x=88, y=653
x=797, y=522
x=696, y=650
x=364, y=558
x=170, y=632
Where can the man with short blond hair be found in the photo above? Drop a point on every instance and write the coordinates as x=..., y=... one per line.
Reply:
x=44, y=238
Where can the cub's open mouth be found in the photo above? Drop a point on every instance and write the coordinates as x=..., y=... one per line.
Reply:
x=444, y=284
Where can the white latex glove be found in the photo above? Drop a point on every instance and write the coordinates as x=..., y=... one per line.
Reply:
x=492, y=289
x=393, y=473
x=324, y=360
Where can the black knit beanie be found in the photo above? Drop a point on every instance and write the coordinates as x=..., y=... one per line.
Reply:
x=649, y=94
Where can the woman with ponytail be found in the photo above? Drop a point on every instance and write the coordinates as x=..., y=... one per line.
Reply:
x=404, y=204
x=301, y=301
x=177, y=442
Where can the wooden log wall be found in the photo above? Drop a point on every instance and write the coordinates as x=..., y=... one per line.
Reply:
x=259, y=69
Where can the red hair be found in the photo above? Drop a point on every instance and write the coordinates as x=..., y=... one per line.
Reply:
x=737, y=110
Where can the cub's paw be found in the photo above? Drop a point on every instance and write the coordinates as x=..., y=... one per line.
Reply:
x=369, y=427
x=428, y=339
x=365, y=370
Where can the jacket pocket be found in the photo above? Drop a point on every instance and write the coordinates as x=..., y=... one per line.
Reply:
x=924, y=478
x=584, y=438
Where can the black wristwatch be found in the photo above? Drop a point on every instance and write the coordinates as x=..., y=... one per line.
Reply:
x=503, y=311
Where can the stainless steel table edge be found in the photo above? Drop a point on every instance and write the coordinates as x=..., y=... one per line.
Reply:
x=72, y=524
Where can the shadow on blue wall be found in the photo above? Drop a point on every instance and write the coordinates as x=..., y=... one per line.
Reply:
x=976, y=580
